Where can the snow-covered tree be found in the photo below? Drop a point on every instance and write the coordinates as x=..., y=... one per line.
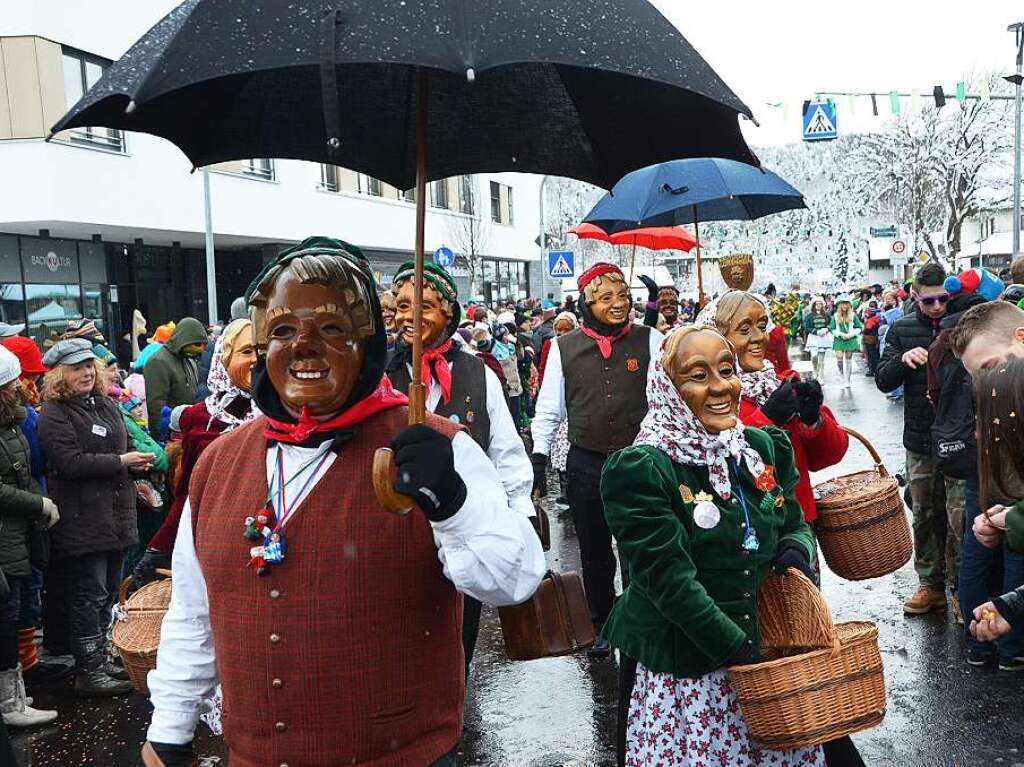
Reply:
x=470, y=235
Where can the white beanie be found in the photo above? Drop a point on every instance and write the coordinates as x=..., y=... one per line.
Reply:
x=10, y=366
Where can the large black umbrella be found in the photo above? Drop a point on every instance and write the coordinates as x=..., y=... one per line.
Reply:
x=589, y=89
x=411, y=90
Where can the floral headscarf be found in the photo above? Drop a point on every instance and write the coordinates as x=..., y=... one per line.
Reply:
x=672, y=427
x=758, y=385
x=222, y=391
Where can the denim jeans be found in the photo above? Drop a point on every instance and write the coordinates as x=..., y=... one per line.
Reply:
x=975, y=563
x=92, y=590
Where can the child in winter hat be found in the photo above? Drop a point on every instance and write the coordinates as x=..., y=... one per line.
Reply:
x=977, y=281
x=10, y=367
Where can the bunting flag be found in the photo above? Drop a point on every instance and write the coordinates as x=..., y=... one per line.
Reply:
x=961, y=92
x=894, y=102
x=940, y=96
x=983, y=91
x=915, y=101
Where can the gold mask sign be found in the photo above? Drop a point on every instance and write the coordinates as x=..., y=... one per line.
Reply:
x=737, y=270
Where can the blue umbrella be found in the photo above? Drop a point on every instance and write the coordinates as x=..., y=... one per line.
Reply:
x=691, y=191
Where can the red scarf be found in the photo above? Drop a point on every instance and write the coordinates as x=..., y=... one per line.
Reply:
x=604, y=343
x=382, y=398
x=442, y=369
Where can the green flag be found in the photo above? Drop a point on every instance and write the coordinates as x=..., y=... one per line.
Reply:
x=961, y=92
x=894, y=102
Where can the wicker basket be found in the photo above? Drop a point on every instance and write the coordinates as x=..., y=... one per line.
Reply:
x=805, y=698
x=137, y=633
x=862, y=524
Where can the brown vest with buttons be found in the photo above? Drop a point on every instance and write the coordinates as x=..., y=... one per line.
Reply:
x=348, y=652
x=605, y=399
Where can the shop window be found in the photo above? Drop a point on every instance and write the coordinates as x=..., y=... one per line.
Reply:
x=12, y=303
x=81, y=72
x=95, y=307
x=50, y=309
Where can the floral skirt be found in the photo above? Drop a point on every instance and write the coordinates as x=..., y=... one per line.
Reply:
x=697, y=723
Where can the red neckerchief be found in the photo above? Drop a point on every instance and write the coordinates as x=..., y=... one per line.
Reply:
x=604, y=343
x=442, y=369
x=383, y=398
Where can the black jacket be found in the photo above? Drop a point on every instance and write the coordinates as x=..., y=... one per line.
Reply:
x=83, y=439
x=21, y=501
x=910, y=331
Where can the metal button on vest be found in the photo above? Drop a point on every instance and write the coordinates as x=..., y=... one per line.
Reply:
x=280, y=727
x=746, y=572
x=277, y=684
x=275, y=638
x=746, y=617
x=275, y=593
x=283, y=764
x=746, y=595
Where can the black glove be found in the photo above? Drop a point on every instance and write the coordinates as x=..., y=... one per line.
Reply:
x=426, y=472
x=792, y=554
x=145, y=569
x=781, y=405
x=809, y=399
x=652, y=288
x=745, y=656
x=174, y=756
x=540, y=473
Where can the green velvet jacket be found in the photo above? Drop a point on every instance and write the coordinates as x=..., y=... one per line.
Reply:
x=691, y=602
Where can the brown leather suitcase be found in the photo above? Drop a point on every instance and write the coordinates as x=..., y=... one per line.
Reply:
x=554, y=621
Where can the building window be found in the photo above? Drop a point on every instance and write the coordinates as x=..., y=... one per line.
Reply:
x=409, y=195
x=260, y=168
x=368, y=185
x=329, y=177
x=81, y=72
x=501, y=203
x=439, y=194
x=496, y=202
x=466, y=202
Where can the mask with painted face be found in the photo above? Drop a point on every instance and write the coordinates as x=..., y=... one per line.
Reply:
x=744, y=322
x=703, y=370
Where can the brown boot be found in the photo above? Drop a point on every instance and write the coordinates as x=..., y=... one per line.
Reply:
x=925, y=600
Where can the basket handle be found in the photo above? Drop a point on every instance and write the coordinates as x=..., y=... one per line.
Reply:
x=879, y=466
x=122, y=590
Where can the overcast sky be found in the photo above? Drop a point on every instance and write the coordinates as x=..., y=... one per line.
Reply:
x=771, y=51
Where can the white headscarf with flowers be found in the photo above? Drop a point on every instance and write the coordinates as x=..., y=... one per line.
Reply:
x=758, y=385
x=672, y=427
x=222, y=391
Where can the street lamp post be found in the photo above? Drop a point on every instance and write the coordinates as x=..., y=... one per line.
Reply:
x=1017, y=78
x=211, y=264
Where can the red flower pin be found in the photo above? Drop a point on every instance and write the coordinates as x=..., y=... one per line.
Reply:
x=766, y=479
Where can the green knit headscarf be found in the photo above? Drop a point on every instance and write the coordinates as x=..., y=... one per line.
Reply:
x=436, y=275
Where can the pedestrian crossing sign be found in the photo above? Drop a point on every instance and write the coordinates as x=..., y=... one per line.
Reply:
x=820, y=121
x=561, y=264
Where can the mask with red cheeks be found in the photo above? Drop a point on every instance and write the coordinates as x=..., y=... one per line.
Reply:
x=703, y=370
x=314, y=351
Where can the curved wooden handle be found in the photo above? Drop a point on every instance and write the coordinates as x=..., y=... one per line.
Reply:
x=383, y=479
x=871, y=449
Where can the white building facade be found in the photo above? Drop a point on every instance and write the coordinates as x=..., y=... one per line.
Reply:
x=100, y=222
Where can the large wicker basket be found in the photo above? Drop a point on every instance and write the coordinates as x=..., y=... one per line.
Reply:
x=137, y=629
x=800, y=697
x=862, y=523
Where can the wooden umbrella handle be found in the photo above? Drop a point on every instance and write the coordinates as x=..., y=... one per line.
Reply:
x=383, y=483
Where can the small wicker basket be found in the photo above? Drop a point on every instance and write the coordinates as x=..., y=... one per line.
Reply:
x=137, y=629
x=806, y=695
x=862, y=524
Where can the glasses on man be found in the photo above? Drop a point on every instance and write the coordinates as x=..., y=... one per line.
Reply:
x=941, y=299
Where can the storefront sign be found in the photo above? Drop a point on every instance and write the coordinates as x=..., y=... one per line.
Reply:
x=49, y=261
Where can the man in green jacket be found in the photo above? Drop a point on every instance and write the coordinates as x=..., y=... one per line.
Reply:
x=172, y=374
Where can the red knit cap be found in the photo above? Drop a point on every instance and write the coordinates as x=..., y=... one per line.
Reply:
x=601, y=267
x=28, y=354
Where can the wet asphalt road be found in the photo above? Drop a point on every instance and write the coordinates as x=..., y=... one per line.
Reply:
x=561, y=711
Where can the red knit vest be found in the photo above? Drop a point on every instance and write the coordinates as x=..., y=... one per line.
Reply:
x=350, y=651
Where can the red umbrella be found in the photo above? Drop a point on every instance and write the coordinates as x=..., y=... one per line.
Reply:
x=652, y=238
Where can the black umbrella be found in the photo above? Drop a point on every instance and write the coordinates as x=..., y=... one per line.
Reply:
x=411, y=90
x=589, y=89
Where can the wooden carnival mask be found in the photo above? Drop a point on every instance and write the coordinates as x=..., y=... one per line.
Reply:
x=437, y=314
x=737, y=270
x=703, y=369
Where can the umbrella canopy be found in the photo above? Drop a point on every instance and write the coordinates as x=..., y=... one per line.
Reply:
x=515, y=85
x=589, y=232
x=656, y=238
x=688, y=191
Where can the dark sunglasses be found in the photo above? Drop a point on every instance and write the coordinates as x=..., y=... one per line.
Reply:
x=929, y=300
